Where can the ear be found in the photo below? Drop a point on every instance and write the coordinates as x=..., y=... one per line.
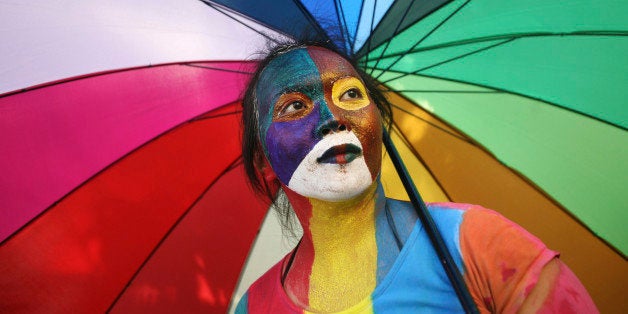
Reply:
x=267, y=176
x=267, y=172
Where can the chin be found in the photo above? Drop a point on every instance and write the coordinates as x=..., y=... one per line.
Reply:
x=332, y=182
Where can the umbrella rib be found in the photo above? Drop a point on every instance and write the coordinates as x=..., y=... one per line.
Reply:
x=95, y=74
x=405, y=13
x=405, y=140
x=501, y=90
x=449, y=60
x=357, y=27
x=217, y=69
x=533, y=185
x=215, y=7
x=61, y=199
x=368, y=41
x=448, y=91
x=362, y=50
x=205, y=117
x=592, y=33
x=424, y=37
x=464, y=139
x=342, y=21
x=436, y=239
x=516, y=173
x=319, y=29
x=230, y=167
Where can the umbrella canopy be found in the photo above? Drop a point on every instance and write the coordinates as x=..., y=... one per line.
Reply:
x=122, y=188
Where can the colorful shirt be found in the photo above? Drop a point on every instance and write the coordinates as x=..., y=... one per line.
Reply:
x=499, y=260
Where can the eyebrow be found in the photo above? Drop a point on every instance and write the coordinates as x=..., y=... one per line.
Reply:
x=300, y=88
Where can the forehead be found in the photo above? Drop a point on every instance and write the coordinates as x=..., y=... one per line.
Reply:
x=330, y=64
x=303, y=66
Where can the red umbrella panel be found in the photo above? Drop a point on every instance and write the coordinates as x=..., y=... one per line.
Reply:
x=151, y=229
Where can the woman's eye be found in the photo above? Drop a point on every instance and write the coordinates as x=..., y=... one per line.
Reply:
x=292, y=107
x=351, y=94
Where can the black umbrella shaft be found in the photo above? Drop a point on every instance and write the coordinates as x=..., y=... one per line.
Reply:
x=432, y=231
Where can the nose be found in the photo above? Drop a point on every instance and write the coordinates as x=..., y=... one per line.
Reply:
x=331, y=126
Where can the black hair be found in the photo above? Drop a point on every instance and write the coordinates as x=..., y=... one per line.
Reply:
x=252, y=152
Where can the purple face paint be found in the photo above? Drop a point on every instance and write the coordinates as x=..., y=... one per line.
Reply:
x=287, y=142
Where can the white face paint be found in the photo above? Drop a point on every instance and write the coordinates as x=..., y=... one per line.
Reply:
x=331, y=181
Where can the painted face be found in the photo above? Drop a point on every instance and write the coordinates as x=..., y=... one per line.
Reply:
x=319, y=129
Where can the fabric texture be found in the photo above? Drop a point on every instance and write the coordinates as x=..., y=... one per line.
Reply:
x=500, y=261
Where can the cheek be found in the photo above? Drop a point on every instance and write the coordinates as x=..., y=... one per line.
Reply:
x=367, y=126
x=287, y=144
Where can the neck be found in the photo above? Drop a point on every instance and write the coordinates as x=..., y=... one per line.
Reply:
x=335, y=266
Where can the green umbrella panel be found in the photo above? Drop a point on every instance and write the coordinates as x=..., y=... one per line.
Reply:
x=546, y=95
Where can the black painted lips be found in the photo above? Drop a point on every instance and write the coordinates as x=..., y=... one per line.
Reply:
x=341, y=154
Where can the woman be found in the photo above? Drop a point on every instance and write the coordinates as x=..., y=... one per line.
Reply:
x=313, y=127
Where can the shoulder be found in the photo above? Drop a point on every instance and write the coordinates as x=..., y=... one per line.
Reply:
x=448, y=217
x=486, y=234
x=478, y=224
x=440, y=211
x=471, y=225
x=483, y=228
x=503, y=261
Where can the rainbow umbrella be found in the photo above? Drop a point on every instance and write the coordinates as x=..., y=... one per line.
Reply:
x=122, y=188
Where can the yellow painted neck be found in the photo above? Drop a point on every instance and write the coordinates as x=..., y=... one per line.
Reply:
x=343, y=221
x=344, y=268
